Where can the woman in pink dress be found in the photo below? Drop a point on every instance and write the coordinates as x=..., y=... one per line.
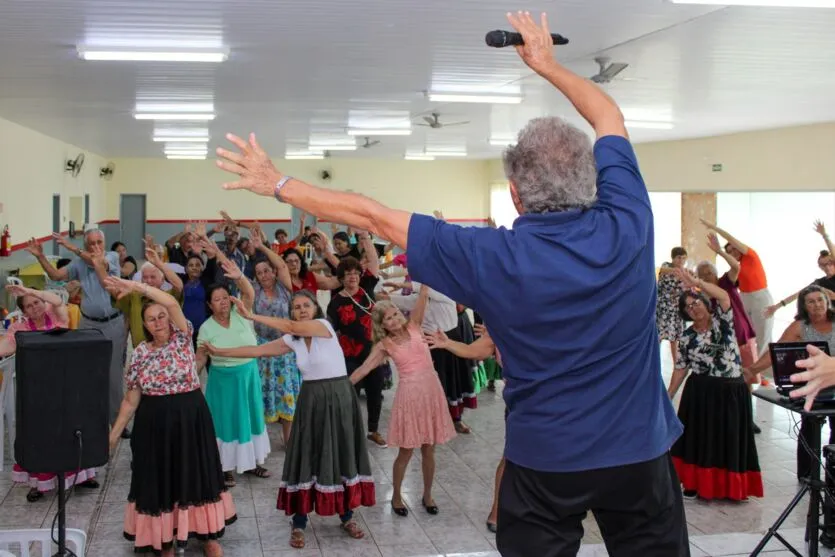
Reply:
x=42, y=311
x=419, y=414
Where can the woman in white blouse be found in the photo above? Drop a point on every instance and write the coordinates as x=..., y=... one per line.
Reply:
x=326, y=468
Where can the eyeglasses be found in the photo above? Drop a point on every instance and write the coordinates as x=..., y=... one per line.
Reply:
x=693, y=304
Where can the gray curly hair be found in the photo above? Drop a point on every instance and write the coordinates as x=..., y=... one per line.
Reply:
x=552, y=166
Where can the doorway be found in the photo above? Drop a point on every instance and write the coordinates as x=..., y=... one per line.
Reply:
x=132, y=223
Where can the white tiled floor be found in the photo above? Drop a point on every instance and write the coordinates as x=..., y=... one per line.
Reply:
x=463, y=491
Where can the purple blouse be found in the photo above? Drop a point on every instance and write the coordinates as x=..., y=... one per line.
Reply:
x=743, y=327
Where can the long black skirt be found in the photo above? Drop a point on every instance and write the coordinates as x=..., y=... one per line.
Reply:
x=177, y=489
x=716, y=456
x=456, y=375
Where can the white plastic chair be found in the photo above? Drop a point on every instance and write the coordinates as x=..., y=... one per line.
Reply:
x=76, y=541
x=7, y=405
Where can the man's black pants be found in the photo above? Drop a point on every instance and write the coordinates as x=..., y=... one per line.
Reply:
x=638, y=507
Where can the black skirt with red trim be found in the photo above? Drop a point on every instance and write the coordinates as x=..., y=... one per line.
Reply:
x=456, y=375
x=716, y=456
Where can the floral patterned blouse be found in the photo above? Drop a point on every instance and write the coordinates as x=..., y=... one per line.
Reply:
x=277, y=306
x=351, y=318
x=714, y=352
x=164, y=371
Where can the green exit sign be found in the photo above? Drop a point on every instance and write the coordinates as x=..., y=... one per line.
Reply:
x=717, y=168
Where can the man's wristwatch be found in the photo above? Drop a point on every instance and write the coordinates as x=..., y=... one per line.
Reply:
x=279, y=185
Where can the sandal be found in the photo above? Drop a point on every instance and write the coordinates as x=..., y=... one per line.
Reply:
x=297, y=538
x=259, y=472
x=353, y=530
x=34, y=495
x=229, y=479
x=461, y=428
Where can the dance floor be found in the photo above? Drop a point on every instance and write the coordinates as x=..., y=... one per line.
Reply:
x=463, y=491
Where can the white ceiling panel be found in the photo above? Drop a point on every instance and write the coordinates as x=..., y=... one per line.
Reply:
x=302, y=69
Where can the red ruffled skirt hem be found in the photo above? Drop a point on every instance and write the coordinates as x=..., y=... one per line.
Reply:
x=326, y=500
x=155, y=533
x=716, y=483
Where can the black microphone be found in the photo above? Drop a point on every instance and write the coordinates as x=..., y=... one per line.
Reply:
x=500, y=39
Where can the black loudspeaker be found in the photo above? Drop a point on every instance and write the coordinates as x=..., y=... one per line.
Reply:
x=62, y=385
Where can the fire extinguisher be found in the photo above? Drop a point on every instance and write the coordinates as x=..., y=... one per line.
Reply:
x=6, y=242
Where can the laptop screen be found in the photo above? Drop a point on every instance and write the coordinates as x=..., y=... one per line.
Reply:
x=784, y=356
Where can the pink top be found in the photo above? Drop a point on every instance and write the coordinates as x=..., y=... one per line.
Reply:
x=400, y=260
x=164, y=371
x=412, y=356
x=51, y=321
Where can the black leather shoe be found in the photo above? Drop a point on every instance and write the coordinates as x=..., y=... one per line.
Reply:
x=431, y=510
x=399, y=511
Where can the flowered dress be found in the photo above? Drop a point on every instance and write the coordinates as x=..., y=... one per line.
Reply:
x=667, y=318
x=281, y=379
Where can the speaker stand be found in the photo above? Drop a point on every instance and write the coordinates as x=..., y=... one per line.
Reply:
x=62, y=517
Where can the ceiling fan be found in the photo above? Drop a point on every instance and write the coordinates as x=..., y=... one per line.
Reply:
x=368, y=143
x=608, y=70
x=73, y=166
x=434, y=122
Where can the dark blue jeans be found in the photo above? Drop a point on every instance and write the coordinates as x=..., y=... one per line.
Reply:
x=300, y=520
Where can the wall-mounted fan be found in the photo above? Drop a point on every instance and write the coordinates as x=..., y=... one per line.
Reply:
x=74, y=165
x=368, y=143
x=608, y=70
x=434, y=122
x=106, y=172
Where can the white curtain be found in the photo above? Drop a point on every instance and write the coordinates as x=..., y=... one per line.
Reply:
x=502, y=210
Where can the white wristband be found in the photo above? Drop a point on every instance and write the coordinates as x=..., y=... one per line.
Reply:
x=279, y=185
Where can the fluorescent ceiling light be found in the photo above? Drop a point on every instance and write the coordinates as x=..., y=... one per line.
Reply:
x=203, y=152
x=763, y=3
x=185, y=117
x=419, y=158
x=182, y=132
x=638, y=124
x=176, y=145
x=203, y=107
x=474, y=98
x=500, y=141
x=309, y=157
x=187, y=157
x=155, y=55
x=186, y=139
x=335, y=147
x=379, y=131
x=446, y=153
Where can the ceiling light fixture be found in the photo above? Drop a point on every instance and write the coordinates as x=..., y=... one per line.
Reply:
x=202, y=152
x=418, y=158
x=334, y=147
x=474, y=98
x=184, y=117
x=763, y=3
x=645, y=125
x=186, y=157
x=502, y=141
x=203, y=107
x=151, y=55
x=183, y=139
x=177, y=145
x=379, y=131
x=446, y=153
x=308, y=157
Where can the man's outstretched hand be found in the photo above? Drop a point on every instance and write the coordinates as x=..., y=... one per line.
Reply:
x=252, y=164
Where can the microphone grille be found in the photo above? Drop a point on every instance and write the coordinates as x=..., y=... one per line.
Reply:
x=496, y=38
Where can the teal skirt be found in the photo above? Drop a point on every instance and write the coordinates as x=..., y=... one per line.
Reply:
x=235, y=401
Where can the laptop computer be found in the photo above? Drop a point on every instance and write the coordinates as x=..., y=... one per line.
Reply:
x=784, y=356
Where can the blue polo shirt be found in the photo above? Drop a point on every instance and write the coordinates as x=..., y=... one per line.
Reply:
x=95, y=300
x=569, y=299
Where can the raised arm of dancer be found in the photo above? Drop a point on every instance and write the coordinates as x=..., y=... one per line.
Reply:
x=122, y=287
x=481, y=349
x=713, y=244
x=307, y=329
x=743, y=248
x=46, y=296
x=36, y=249
x=275, y=348
x=416, y=316
x=374, y=360
x=173, y=279
x=821, y=229
x=711, y=290
x=281, y=270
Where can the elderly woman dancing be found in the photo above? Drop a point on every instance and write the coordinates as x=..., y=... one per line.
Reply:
x=716, y=456
x=326, y=468
x=176, y=490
